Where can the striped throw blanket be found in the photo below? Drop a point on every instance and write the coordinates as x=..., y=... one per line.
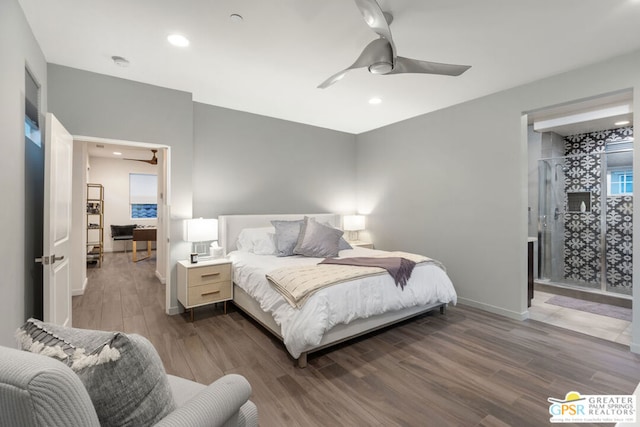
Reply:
x=297, y=284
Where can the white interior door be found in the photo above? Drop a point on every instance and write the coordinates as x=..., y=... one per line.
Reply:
x=57, y=223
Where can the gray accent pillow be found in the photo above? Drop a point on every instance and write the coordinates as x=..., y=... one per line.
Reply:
x=318, y=240
x=286, y=236
x=123, y=374
x=344, y=244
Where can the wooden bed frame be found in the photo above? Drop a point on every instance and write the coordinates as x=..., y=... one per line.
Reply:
x=229, y=229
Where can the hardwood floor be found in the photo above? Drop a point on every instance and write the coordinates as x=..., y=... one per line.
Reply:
x=465, y=368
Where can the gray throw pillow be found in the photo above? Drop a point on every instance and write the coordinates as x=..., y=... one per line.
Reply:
x=318, y=240
x=344, y=244
x=123, y=374
x=286, y=236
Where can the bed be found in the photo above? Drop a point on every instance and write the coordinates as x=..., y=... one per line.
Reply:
x=333, y=314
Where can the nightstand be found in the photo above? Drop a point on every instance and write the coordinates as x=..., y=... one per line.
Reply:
x=361, y=244
x=204, y=283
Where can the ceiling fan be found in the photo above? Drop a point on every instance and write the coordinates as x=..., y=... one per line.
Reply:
x=152, y=161
x=380, y=55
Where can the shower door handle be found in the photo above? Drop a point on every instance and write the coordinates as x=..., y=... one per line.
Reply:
x=544, y=221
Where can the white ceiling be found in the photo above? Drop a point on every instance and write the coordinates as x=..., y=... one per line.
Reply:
x=272, y=61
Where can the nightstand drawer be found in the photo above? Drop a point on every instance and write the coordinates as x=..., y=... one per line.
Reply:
x=209, y=293
x=209, y=274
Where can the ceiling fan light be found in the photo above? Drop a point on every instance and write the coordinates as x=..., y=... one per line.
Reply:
x=380, y=68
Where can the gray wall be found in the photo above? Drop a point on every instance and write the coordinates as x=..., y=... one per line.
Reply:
x=453, y=183
x=96, y=105
x=18, y=48
x=246, y=163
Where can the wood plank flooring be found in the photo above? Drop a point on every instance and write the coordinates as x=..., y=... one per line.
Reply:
x=465, y=368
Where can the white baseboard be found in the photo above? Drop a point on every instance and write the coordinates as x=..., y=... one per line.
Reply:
x=494, y=309
x=174, y=310
x=160, y=277
x=78, y=292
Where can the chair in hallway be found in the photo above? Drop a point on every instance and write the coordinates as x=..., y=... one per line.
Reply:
x=123, y=232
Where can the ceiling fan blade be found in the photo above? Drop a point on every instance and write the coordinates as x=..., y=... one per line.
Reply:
x=374, y=17
x=152, y=161
x=331, y=80
x=378, y=50
x=408, y=65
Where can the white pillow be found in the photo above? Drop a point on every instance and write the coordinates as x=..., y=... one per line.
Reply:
x=259, y=241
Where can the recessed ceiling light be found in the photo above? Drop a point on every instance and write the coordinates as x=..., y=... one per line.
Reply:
x=120, y=61
x=622, y=123
x=234, y=17
x=117, y=153
x=375, y=101
x=178, y=40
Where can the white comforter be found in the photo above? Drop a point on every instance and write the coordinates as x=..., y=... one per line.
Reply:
x=302, y=329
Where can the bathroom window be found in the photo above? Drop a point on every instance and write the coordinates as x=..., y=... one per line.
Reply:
x=620, y=182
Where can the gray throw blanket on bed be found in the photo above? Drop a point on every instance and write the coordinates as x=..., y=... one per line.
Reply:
x=399, y=268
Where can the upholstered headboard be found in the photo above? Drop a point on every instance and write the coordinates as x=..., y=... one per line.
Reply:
x=229, y=226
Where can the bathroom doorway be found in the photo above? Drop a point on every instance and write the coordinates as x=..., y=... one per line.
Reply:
x=580, y=202
x=581, y=194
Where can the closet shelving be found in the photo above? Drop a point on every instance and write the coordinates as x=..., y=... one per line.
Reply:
x=95, y=224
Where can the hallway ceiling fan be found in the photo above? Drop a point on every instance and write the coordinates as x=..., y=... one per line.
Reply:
x=380, y=55
x=152, y=161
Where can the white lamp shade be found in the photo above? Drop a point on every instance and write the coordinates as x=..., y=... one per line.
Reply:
x=353, y=222
x=200, y=230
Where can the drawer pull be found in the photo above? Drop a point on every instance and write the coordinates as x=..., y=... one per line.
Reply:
x=209, y=293
x=209, y=274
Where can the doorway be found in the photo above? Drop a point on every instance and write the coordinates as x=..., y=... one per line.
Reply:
x=34, y=199
x=580, y=212
x=94, y=160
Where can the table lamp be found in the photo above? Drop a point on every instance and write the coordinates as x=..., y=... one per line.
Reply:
x=353, y=224
x=200, y=232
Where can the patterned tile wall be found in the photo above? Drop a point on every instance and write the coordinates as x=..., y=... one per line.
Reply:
x=619, y=242
x=582, y=251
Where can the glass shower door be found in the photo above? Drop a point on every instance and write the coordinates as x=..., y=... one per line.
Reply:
x=551, y=174
x=618, y=241
x=585, y=220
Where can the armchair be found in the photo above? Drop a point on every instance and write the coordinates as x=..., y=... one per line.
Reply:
x=37, y=390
